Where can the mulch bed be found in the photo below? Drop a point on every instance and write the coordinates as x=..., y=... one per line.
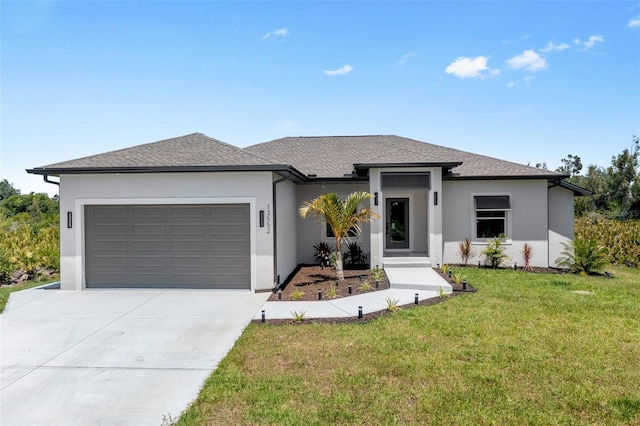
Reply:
x=311, y=278
x=307, y=280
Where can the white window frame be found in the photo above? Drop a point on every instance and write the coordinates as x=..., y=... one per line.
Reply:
x=507, y=219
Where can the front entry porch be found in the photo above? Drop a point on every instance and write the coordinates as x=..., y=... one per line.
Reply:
x=413, y=271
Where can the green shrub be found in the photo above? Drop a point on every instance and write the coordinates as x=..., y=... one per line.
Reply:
x=297, y=295
x=494, y=252
x=584, y=256
x=28, y=247
x=620, y=239
x=322, y=253
x=354, y=255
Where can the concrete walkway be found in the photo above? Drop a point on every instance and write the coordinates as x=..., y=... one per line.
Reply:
x=113, y=357
x=405, y=283
x=343, y=307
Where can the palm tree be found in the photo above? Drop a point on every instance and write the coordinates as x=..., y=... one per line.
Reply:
x=341, y=216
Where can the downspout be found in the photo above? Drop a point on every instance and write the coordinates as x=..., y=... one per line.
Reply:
x=46, y=179
x=276, y=284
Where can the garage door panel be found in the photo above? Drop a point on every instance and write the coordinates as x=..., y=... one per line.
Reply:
x=110, y=245
x=157, y=261
x=109, y=230
x=149, y=245
x=148, y=229
x=188, y=245
x=110, y=212
x=110, y=261
x=176, y=246
x=198, y=261
x=148, y=212
x=188, y=212
x=152, y=278
x=187, y=229
x=110, y=279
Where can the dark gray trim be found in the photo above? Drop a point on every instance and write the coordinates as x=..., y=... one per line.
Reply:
x=446, y=164
x=351, y=179
x=46, y=179
x=511, y=177
x=578, y=191
x=170, y=169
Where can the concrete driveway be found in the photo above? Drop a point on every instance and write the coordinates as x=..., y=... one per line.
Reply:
x=113, y=357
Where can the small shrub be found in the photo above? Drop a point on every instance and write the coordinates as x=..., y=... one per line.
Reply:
x=365, y=286
x=466, y=250
x=527, y=255
x=442, y=294
x=392, y=304
x=445, y=269
x=376, y=274
x=584, y=256
x=298, y=315
x=494, y=253
x=297, y=295
x=456, y=278
x=354, y=255
x=322, y=253
x=332, y=293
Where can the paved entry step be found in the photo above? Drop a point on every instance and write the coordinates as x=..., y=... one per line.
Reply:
x=406, y=262
x=416, y=278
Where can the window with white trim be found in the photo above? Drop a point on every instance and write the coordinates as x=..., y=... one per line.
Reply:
x=491, y=215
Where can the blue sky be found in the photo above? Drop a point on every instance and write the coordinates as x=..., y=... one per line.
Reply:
x=528, y=82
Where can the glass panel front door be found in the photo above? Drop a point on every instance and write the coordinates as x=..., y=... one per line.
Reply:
x=397, y=223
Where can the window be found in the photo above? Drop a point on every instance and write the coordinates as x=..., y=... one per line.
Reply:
x=329, y=232
x=491, y=215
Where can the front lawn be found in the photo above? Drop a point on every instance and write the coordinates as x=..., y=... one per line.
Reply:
x=524, y=349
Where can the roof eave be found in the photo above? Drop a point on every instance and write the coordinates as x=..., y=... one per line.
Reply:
x=446, y=164
x=57, y=171
x=578, y=191
x=504, y=177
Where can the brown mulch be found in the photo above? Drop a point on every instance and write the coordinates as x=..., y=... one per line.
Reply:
x=311, y=278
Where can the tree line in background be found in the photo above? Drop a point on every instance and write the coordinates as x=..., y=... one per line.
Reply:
x=616, y=188
x=29, y=235
x=607, y=223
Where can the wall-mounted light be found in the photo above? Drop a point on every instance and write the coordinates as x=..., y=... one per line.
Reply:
x=375, y=198
x=261, y=218
x=69, y=220
x=435, y=198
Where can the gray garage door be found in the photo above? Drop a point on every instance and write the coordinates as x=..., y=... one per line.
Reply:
x=168, y=246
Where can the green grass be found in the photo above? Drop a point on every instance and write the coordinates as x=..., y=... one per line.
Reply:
x=523, y=350
x=5, y=291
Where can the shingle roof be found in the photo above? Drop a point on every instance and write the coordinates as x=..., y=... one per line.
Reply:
x=323, y=156
x=194, y=150
x=334, y=156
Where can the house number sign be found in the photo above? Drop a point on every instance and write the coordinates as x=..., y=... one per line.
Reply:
x=267, y=221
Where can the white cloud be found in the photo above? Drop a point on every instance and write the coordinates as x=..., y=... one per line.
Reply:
x=528, y=60
x=511, y=84
x=464, y=67
x=340, y=71
x=528, y=79
x=551, y=47
x=280, y=32
x=404, y=58
x=634, y=22
x=588, y=44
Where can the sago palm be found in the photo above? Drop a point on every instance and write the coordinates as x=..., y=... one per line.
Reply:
x=341, y=216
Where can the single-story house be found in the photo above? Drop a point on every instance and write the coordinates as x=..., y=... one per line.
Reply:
x=195, y=212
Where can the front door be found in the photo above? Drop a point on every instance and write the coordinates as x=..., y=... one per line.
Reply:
x=397, y=223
